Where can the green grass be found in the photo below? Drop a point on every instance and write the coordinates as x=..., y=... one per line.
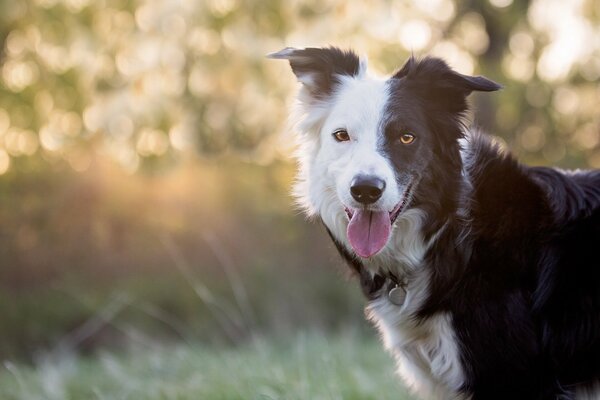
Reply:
x=308, y=366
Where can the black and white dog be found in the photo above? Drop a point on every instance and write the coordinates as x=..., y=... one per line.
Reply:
x=482, y=274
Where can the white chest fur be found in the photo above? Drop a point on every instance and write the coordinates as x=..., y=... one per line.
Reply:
x=426, y=351
x=589, y=392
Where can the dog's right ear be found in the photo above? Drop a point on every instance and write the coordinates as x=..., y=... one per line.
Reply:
x=320, y=69
x=440, y=85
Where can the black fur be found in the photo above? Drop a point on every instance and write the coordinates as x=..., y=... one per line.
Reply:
x=520, y=274
x=526, y=300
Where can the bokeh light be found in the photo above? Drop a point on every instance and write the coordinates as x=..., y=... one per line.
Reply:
x=4, y=161
x=110, y=70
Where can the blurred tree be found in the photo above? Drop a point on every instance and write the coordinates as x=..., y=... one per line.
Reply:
x=150, y=82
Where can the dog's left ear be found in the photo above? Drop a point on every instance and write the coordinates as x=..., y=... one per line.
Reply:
x=433, y=79
x=320, y=69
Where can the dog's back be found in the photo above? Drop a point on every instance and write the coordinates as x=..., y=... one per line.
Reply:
x=567, y=299
x=535, y=271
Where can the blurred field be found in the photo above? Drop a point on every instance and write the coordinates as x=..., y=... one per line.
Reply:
x=299, y=367
x=104, y=256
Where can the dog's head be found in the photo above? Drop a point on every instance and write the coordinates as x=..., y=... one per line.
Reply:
x=368, y=144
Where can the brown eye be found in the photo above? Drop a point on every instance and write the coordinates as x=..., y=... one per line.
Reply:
x=407, y=138
x=341, y=135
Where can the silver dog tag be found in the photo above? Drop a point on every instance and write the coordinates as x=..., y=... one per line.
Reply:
x=397, y=295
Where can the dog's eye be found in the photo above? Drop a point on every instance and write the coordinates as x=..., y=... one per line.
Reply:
x=407, y=138
x=341, y=135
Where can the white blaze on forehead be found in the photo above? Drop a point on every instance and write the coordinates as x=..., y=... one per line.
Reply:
x=327, y=167
x=359, y=105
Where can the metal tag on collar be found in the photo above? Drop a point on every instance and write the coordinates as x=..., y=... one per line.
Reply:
x=397, y=295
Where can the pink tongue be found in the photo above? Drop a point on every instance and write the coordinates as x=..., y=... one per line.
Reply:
x=368, y=231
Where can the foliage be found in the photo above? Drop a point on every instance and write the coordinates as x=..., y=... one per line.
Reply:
x=146, y=82
x=171, y=259
x=144, y=158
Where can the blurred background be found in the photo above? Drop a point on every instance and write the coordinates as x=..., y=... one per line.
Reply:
x=145, y=158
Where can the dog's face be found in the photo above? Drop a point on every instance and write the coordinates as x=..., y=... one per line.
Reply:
x=367, y=142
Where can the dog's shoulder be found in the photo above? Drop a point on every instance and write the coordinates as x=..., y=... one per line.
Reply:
x=509, y=199
x=535, y=232
x=504, y=197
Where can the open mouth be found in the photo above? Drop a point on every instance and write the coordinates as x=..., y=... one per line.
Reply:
x=395, y=212
x=369, y=230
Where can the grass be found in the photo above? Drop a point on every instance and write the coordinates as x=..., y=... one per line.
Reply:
x=307, y=366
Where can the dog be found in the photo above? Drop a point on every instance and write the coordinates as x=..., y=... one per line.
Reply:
x=481, y=274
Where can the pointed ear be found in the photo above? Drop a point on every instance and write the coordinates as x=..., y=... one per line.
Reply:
x=433, y=79
x=320, y=69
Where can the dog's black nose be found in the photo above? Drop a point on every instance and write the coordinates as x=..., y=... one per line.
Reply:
x=367, y=189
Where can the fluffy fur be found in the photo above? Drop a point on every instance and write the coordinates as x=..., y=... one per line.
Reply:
x=498, y=259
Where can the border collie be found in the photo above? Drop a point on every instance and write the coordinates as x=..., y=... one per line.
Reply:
x=482, y=274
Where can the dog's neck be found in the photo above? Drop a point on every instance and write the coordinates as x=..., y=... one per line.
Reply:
x=406, y=257
x=399, y=261
x=436, y=213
